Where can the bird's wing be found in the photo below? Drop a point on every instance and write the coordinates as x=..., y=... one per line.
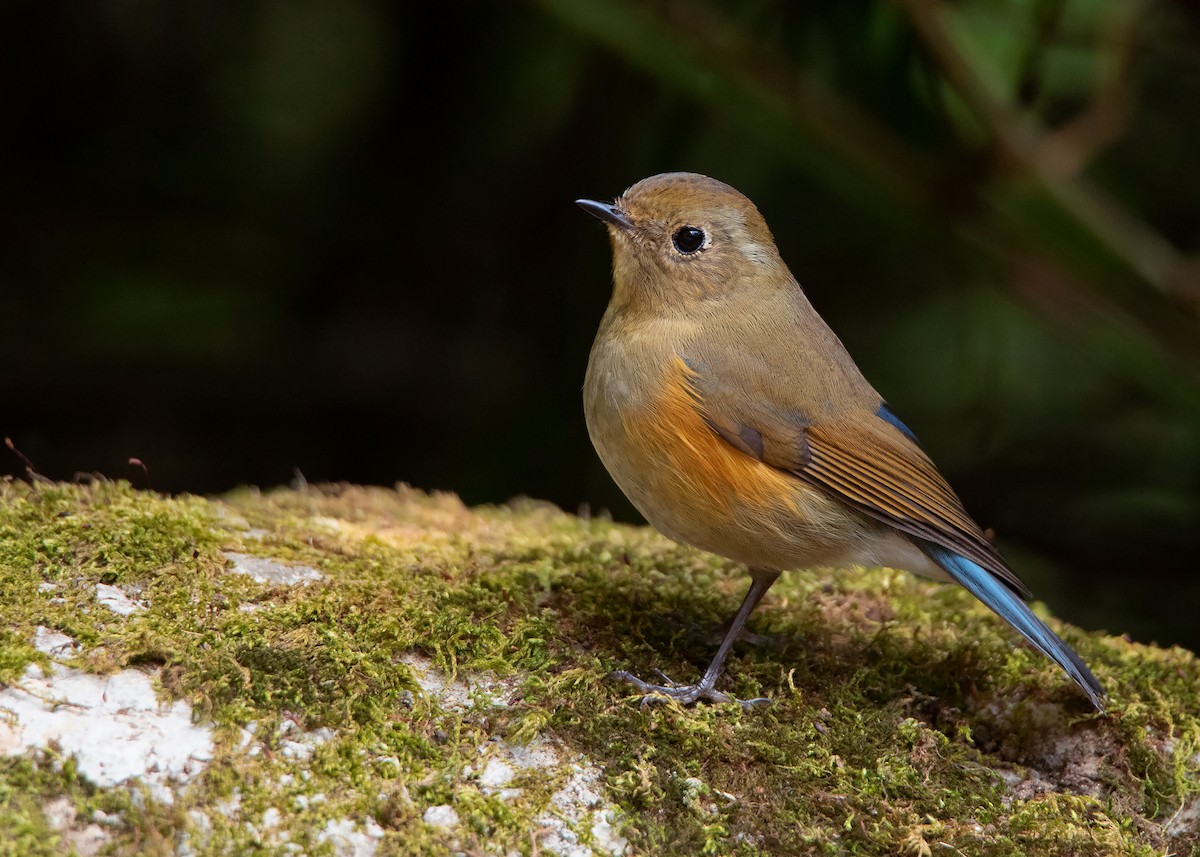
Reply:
x=870, y=461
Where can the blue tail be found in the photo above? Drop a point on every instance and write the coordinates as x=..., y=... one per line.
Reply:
x=1008, y=606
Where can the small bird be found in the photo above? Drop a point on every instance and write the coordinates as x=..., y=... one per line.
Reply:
x=735, y=420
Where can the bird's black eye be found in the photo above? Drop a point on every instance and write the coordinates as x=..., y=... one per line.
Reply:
x=688, y=239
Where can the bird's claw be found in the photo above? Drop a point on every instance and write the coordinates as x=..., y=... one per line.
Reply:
x=666, y=679
x=683, y=694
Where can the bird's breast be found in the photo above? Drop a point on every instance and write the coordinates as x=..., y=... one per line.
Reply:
x=694, y=487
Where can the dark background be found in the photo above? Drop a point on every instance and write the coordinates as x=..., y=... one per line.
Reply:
x=337, y=236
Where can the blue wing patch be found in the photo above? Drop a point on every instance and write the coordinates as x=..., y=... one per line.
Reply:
x=887, y=415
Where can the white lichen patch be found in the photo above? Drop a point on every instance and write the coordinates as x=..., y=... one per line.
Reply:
x=577, y=807
x=579, y=822
x=347, y=840
x=53, y=643
x=114, y=726
x=198, y=834
x=606, y=837
x=84, y=838
x=461, y=692
x=265, y=570
x=496, y=774
x=442, y=817
x=117, y=601
x=295, y=743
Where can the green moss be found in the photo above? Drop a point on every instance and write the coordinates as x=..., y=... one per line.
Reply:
x=25, y=786
x=904, y=721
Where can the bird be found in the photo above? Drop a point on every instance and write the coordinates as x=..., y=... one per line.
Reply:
x=735, y=421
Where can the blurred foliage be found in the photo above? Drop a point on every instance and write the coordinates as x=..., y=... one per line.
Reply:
x=245, y=238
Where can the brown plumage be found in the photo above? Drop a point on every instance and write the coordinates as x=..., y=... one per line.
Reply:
x=735, y=420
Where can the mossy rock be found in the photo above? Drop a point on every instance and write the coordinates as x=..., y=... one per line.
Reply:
x=389, y=672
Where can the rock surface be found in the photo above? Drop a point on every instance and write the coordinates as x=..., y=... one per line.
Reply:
x=365, y=672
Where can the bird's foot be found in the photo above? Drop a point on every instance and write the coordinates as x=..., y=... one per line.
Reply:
x=685, y=694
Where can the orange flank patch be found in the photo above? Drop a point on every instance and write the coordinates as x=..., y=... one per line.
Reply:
x=701, y=464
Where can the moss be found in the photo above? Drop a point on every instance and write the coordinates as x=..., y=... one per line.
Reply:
x=25, y=786
x=904, y=719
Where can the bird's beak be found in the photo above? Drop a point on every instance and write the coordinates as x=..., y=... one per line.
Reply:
x=607, y=212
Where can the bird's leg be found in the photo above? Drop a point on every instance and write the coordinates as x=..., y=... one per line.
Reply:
x=760, y=581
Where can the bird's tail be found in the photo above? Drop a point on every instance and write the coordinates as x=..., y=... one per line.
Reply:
x=1008, y=606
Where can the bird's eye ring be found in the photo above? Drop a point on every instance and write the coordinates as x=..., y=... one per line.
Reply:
x=689, y=239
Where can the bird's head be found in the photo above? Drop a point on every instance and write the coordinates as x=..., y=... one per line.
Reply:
x=683, y=237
